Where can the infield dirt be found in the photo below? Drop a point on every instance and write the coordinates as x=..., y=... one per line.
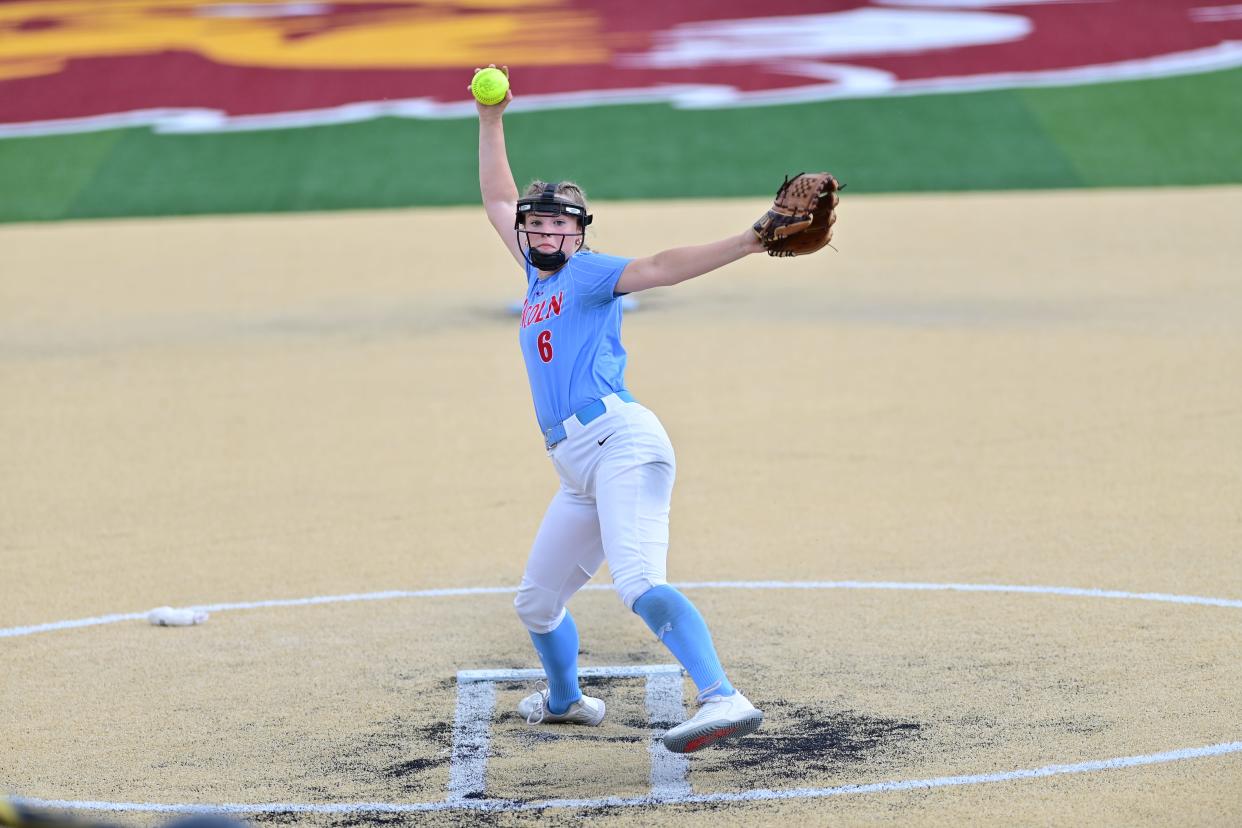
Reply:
x=1035, y=389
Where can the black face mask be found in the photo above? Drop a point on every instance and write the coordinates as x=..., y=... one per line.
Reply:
x=547, y=261
x=548, y=203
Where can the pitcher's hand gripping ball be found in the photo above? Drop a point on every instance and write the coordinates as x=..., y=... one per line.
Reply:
x=489, y=86
x=800, y=220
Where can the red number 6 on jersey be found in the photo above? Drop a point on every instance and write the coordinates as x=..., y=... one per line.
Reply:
x=545, y=345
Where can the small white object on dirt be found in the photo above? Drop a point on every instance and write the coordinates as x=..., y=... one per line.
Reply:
x=169, y=617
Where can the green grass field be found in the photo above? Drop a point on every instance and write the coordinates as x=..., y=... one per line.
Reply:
x=1174, y=131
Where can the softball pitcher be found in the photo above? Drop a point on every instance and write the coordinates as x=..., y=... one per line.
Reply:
x=613, y=457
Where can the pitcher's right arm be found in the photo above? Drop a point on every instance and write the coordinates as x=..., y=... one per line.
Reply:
x=496, y=185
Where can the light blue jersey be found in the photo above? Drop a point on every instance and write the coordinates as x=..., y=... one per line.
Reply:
x=571, y=335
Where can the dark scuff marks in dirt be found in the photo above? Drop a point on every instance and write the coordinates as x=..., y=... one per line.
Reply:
x=274, y=818
x=394, y=753
x=427, y=747
x=797, y=740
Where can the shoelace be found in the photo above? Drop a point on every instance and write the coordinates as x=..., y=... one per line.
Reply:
x=536, y=715
x=708, y=692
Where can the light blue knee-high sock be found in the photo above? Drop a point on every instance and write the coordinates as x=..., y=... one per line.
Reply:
x=558, y=650
x=677, y=622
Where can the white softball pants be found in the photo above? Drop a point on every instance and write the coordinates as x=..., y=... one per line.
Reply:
x=616, y=483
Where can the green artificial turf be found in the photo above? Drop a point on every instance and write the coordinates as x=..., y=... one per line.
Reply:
x=1169, y=131
x=41, y=177
x=1185, y=130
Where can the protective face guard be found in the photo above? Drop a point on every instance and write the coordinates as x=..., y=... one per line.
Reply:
x=548, y=203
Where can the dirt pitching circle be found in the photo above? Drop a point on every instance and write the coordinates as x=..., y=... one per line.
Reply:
x=1090, y=766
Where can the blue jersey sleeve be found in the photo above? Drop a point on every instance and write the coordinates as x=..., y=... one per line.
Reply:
x=596, y=275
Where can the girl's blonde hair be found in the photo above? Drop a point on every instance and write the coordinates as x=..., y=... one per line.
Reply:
x=566, y=189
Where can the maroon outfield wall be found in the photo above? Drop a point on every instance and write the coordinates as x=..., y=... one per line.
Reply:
x=63, y=61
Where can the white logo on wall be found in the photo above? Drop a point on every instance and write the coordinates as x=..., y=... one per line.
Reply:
x=815, y=48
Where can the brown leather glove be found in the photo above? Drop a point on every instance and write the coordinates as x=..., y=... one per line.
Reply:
x=801, y=218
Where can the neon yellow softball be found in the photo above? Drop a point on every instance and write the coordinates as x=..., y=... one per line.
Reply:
x=489, y=86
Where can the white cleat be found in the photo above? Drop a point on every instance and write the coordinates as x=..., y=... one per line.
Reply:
x=720, y=718
x=587, y=710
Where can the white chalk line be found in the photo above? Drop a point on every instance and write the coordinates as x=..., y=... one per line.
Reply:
x=528, y=673
x=13, y=632
x=670, y=772
x=471, y=740
x=758, y=795
x=1077, y=592
x=762, y=794
x=476, y=701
